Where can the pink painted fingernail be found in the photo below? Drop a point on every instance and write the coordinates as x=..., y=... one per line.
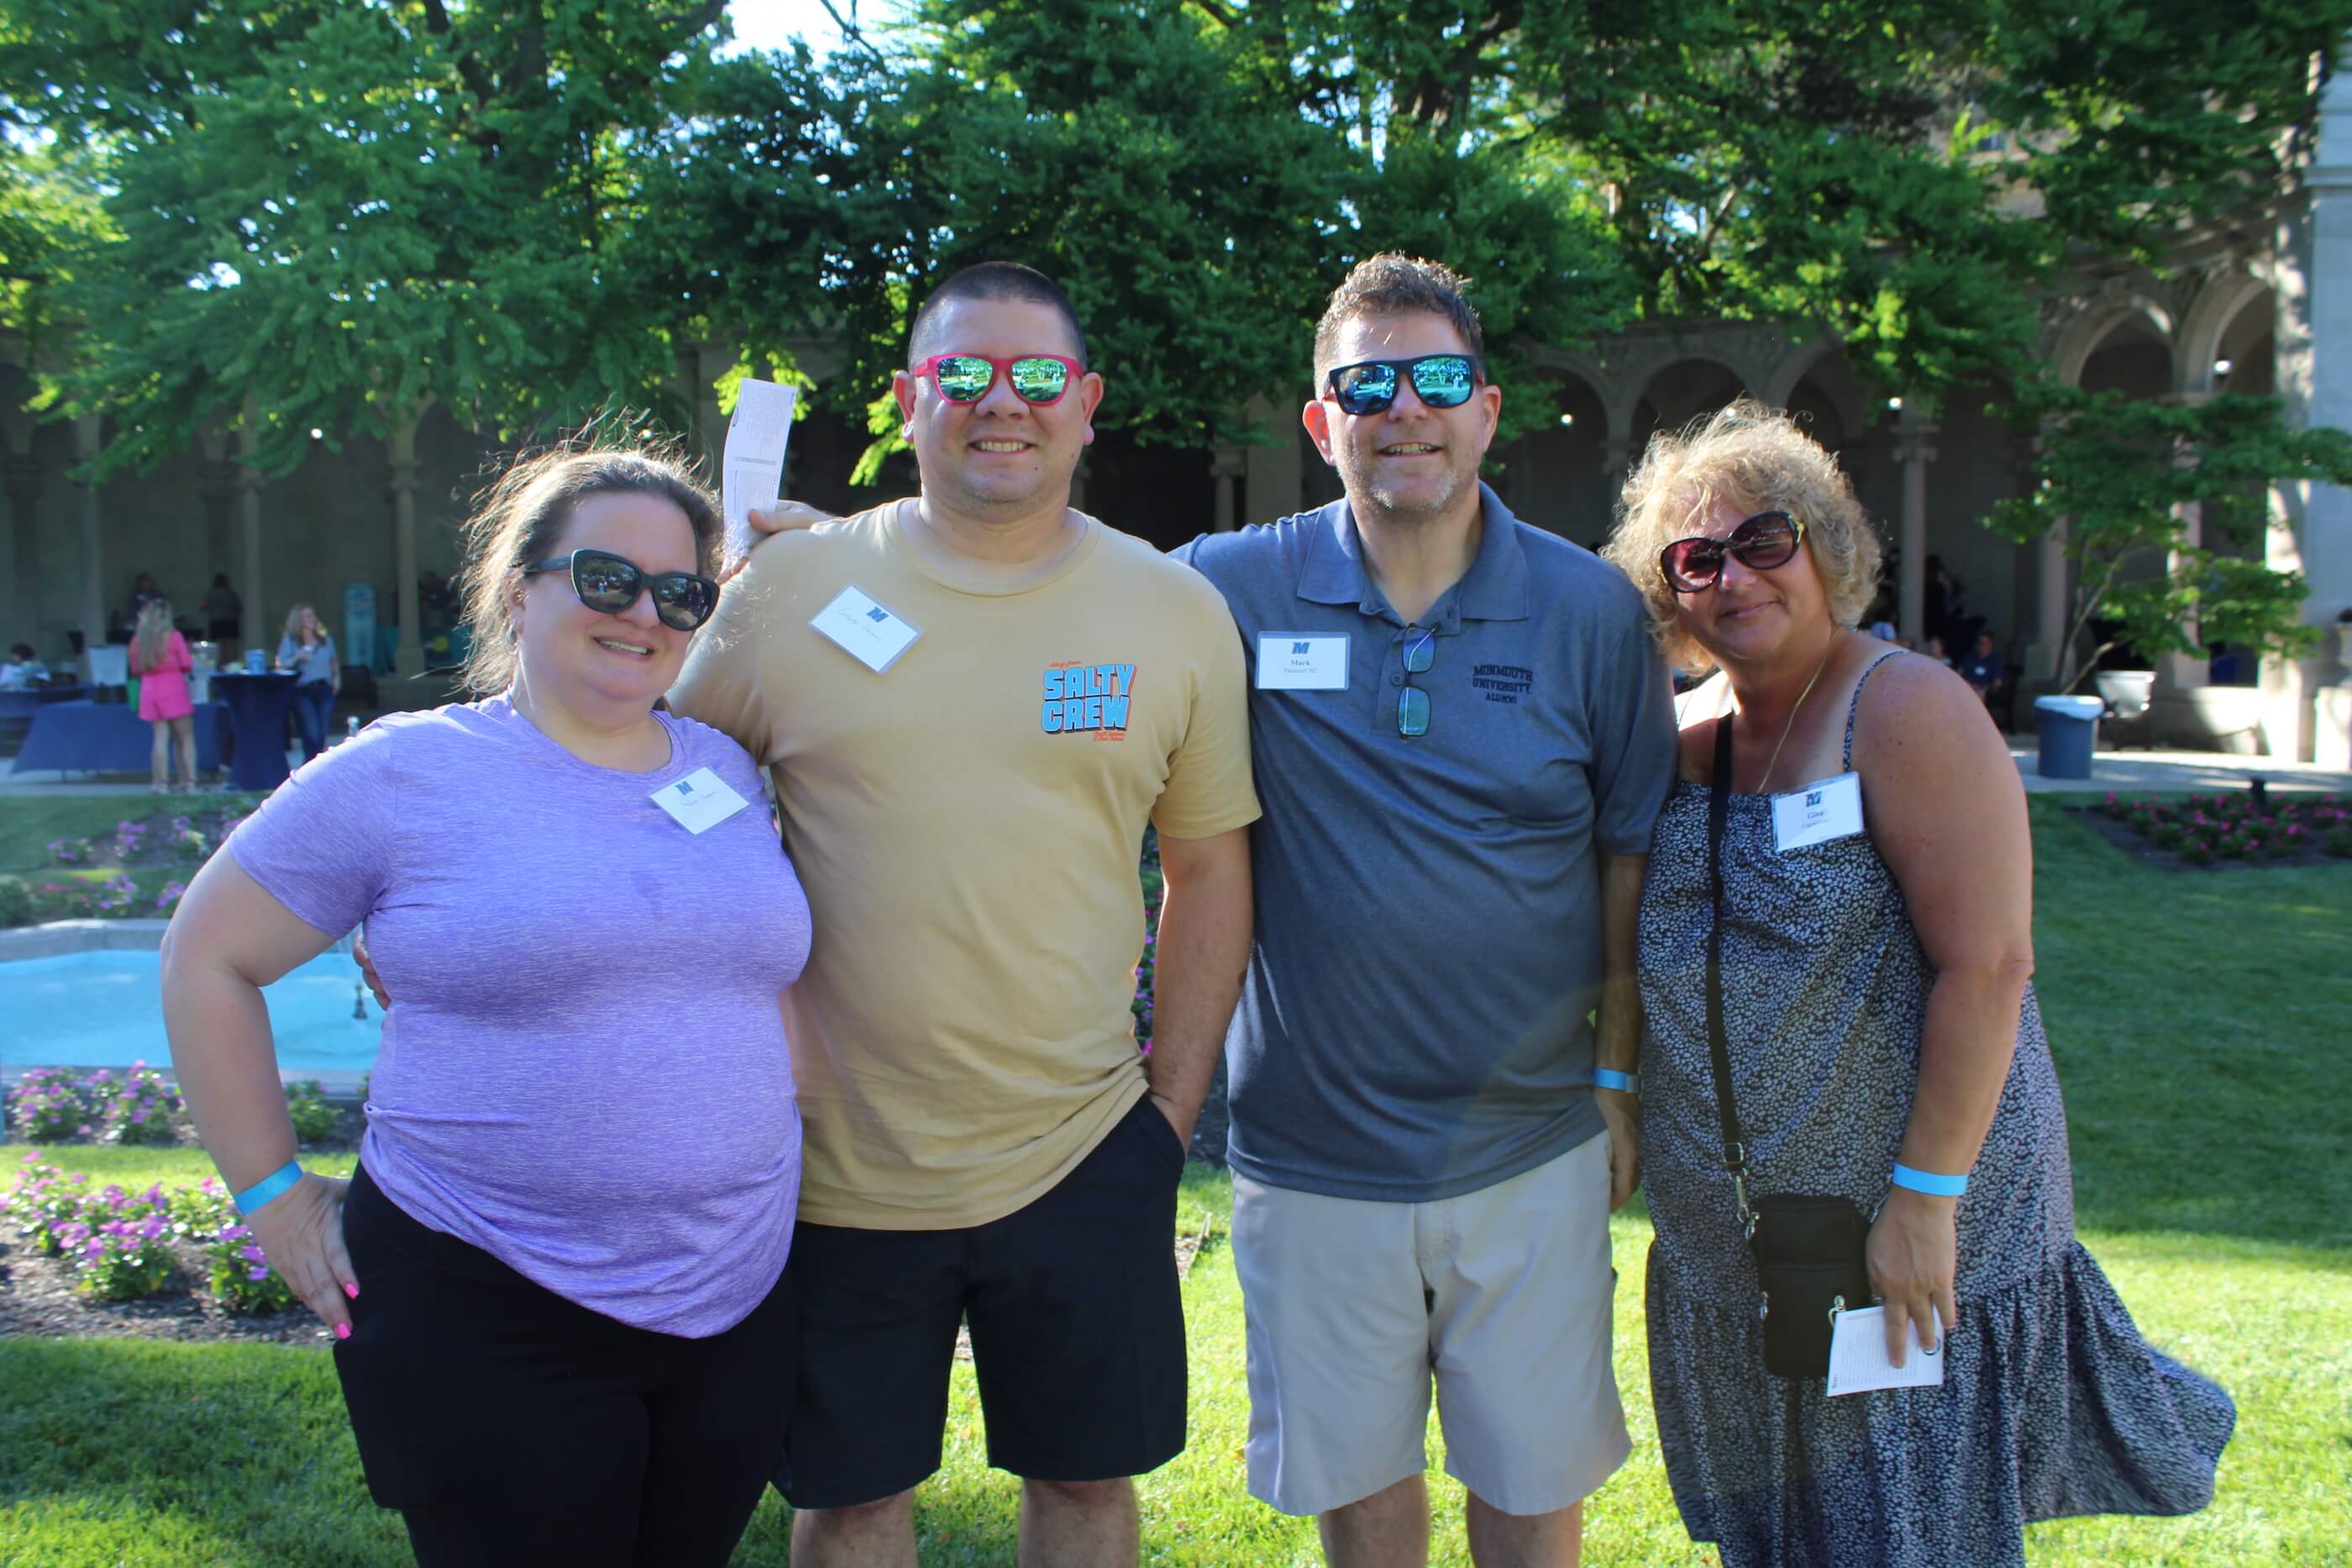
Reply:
x=351, y=1290
x=342, y=1331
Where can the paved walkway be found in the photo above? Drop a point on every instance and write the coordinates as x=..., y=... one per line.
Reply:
x=2179, y=772
x=57, y=783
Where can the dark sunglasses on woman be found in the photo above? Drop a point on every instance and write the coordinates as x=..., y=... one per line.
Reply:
x=1762, y=542
x=610, y=583
x=1440, y=381
x=1036, y=379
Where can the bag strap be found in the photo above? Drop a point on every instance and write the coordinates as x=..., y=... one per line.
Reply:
x=1718, y=1050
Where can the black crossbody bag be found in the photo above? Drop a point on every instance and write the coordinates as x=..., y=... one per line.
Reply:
x=1810, y=1251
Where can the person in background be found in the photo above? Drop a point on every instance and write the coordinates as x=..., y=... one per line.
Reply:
x=1856, y=973
x=143, y=593
x=1936, y=651
x=23, y=670
x=224, y=611
x=159, y=658
x=553, y=1276
x=310, y=652
x=1983, y=670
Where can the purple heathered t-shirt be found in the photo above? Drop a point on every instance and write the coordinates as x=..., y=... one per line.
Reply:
x=584, y=1070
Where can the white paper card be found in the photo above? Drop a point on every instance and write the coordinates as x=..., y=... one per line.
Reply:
x=1858, y=1361
x=1290, y=662
x=874, y=636
x=1817, y=813
x=700, y=801
x=753, y=470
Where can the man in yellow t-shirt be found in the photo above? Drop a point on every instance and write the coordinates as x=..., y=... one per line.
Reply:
x=972, y=703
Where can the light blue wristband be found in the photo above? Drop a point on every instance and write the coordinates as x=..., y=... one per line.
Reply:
x=1928, y=1182
x=1623, y=1082
x=274, y=1185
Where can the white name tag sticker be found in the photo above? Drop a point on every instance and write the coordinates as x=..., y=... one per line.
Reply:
x=1817, y=813
x=873, y=635
x=700, y=801
x=1289, y=661
x=1858, y=1361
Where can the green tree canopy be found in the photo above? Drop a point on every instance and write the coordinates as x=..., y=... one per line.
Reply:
x=522, y=208
x=333, y=213
x=2115, y=474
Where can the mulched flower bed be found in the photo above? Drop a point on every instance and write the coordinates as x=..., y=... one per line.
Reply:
x=39, y=1295
x=2237, y=831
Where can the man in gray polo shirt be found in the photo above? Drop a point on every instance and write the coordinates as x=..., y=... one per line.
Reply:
x=1462, y=732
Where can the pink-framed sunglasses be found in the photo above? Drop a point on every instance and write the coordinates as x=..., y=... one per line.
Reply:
x=1036, y=379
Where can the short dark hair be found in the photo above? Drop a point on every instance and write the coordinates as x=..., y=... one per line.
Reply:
x=997, y=280
x=20, y=650
x=1394, y=284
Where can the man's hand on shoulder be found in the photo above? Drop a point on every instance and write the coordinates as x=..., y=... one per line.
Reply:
x=788, y=516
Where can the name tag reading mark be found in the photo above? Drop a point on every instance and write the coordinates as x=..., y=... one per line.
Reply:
x=700, y=801
x=872, y=635
x=1290, y=662
x=1817, y=813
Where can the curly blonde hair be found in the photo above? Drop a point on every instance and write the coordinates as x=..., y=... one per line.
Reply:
x=1757, y=458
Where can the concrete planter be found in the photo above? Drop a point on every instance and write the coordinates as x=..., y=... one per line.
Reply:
x=2209, y=718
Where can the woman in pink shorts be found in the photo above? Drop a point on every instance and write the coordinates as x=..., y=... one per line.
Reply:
x=159, y=658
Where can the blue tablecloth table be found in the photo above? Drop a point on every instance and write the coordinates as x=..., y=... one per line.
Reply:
x=257, y=714
x=87, y=737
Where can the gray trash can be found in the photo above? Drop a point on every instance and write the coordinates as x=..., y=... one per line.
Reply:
x=2070, y=729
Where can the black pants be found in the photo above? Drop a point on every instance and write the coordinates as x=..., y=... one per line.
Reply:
x=510, y=1426
x=314, y=707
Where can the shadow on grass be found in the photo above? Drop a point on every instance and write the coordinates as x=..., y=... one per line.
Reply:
x=2199, y=1025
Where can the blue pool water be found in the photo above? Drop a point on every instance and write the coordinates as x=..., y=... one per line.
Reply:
x=106, y=1010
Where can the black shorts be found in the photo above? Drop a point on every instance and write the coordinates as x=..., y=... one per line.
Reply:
x=509, y=1424
x=1077, y=1334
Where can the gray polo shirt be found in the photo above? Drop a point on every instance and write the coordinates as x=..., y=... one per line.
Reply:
x=1415, y=1024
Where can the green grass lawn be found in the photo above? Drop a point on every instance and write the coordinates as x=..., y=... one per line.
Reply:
x=29, y=822
x=2192, y=1017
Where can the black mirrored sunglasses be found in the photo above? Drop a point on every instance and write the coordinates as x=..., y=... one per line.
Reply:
x=610, y=583
x=1441, y=380
x=1412, y=702
x=1761, y=542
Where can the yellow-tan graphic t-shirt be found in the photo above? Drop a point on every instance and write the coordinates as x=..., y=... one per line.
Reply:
x=965, y=821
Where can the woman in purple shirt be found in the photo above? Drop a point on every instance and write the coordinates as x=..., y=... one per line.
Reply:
x=552, y=1278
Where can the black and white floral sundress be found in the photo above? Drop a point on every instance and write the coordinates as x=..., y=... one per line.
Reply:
x=2052, y=1404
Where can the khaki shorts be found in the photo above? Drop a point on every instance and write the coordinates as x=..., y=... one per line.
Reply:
x=1504, y=1294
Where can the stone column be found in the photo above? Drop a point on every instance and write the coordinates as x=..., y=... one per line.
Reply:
x=22, y=477
x=1913, y=431
x=1616, y=458
x=253, y=626
x=87, y=437
x=1274, y=473
x=2311, y=525
x=1225, y=468
x=2185, y=672
x=408, y=658
x=2046, y=656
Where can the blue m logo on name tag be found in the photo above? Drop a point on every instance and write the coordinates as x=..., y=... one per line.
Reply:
x=877, y=615
x=1813, y=798
x=685, y=786
x=1301, y=647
